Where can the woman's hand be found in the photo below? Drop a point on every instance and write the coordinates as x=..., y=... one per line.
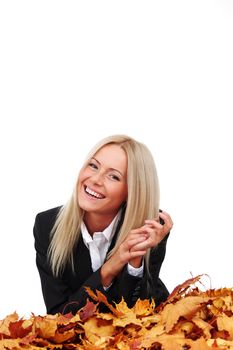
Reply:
x=135, y=246
x=114, y=265
x=155, y=232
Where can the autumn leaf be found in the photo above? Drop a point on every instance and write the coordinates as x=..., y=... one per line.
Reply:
x=205, y=326
x=182, y=288
x=87, y=311
x=45, y=327
x=226, y=323
x=189, y=320
x=100, y=297
x=185, y=307
x=97, y=333
x=4, y=324
x=20, y=329
x=143, y=307
x=60, y=338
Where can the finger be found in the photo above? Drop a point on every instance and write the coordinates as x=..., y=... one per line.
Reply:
x=166, y=217
x=151, y=242
x=128, y=244
x=136, y=235
x=153, y=223
x=137, y=230
x=137, y=254
x=140, y=246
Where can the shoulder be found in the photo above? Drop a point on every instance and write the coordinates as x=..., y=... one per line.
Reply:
x=45, y=220
x=48, y=215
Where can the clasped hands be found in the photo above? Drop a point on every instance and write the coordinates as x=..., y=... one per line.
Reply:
x=134, y=247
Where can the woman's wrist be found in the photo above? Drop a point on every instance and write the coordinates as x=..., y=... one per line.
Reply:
x=136, y=262
x=106, y=274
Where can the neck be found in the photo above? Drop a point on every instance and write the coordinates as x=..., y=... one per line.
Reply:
x=97, y=223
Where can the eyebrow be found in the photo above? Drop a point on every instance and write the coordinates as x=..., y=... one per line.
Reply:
x=109, y=168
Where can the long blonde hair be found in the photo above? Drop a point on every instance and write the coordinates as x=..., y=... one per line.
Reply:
x=142, y=202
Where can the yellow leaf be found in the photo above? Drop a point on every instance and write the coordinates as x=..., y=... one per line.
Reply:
x=143, y=307
x=205, y=326
x=96, y=333
x=4, y=324
x=225, y=323
x=45, y=328
x=183, y=307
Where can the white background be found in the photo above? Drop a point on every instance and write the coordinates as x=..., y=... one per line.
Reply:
x=72, y=72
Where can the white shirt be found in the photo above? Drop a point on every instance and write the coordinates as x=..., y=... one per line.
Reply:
x=99, y=243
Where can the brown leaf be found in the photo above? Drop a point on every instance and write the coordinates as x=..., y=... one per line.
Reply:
x=87, y=311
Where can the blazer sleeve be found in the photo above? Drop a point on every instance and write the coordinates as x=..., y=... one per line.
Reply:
x=150, y=285
x=57, y=294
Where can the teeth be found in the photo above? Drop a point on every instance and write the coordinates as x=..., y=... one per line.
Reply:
x=93, y=193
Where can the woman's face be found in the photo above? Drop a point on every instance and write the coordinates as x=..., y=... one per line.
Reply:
x=102, y=184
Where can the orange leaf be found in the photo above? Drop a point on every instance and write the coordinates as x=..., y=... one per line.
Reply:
x=184, y=307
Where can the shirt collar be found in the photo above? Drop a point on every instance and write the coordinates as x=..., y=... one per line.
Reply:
x=108, y=232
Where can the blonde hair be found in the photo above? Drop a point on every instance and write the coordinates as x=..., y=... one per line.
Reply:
x=142, y=202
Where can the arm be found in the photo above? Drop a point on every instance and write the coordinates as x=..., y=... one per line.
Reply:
x=149, y=285
x=59, y=294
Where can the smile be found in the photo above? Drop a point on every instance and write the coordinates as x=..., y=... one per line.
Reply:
x=93, y=193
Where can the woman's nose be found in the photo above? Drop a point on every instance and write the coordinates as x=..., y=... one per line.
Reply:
x=97, y=177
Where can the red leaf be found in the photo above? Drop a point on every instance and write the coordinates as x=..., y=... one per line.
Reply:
x=17, y=331
x=87, y=311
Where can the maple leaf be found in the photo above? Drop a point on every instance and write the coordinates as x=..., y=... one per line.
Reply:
x=60, y=338
x=45, y=327
x=101, y=298
x=91, y=294
x=148, y=337
x=20, y=329
x=4, y=324
x=182, y=288
x=205, y=326
x=135, y=345
x=143, y=307
x=220, y=344
x=199, y=344
x=172, y=342
x=226, y=323
x=126, y=315
x=183, y=307
x=87, y=311
x=13, y=344
x=190, y=319
x=97, y=333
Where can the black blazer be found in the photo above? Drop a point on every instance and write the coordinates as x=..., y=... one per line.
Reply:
x=66, y=293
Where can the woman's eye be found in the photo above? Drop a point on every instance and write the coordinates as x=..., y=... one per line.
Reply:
x=93, y=165
x=114, y=177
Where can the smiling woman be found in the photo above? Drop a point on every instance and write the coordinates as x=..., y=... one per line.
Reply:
x=110, y=236
x=102, y=186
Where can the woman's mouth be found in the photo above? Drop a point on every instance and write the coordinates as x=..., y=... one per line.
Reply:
x=93, y=193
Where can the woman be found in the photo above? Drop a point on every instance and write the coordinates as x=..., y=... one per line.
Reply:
x=110, y=236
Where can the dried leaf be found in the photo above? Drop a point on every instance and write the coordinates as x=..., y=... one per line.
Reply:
x=189, y=320
x=87, y=311
x=185, y=307
x=226, y=323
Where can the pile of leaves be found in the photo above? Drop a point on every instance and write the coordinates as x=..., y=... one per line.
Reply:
x=189, y=319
